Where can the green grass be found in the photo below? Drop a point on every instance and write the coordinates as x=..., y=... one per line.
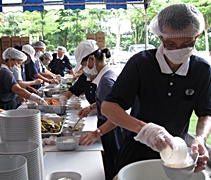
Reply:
x=192, y=126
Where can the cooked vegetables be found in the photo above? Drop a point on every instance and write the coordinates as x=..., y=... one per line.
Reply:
x=49, y=126
x=52, y=101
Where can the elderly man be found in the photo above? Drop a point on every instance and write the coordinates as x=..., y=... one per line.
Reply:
x=60, y=62
x=10, y=91
x=170, y=83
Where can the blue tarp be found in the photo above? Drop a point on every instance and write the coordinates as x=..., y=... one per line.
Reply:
x=31, y=5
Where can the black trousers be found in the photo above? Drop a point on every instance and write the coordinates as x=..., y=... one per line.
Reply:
x=111, y=143
x=133, y=151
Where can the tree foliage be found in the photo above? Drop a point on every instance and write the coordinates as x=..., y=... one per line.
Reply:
x=69, y=27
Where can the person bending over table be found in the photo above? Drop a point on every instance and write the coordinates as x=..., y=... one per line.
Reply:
x=104, y=80
x=170, y=83
x=83, y=84
x=11, y=94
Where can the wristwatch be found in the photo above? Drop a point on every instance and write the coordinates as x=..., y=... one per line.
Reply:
x=99, y=132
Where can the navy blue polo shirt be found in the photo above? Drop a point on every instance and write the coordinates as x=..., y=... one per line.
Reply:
x=83, y=86
x=165, y=99
x=31, y=69
x=58, y=66
x=7, y=80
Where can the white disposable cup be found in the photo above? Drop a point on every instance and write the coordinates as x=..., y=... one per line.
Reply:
x=170, y=156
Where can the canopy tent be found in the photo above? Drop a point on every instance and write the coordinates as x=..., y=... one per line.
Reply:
x=39, y=5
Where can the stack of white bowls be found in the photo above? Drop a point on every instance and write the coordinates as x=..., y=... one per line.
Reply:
x=13, y=167
x=27, y=149
x=23, y=125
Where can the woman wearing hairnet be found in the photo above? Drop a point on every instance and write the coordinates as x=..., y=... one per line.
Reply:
x=95, y=63
x=32, y=67
x=9, y=86
x=170, y=83
x=84, y=83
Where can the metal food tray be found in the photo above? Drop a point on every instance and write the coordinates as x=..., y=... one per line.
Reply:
x=58, y=109
x=56, y=120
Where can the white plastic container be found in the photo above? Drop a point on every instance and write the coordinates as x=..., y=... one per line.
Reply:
x=151, y=170
x=64, y=143
x=175, y=157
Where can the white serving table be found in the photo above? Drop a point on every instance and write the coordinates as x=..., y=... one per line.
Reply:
x=87, y=163
x=86, y=160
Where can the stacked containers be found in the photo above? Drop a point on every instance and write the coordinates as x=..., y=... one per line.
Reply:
x=13, y=167
x=23, y=125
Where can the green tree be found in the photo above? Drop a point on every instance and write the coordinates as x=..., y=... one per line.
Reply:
x=205, y=7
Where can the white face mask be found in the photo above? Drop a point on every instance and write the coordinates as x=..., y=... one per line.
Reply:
x=90, y=72
x=14, y=69
x=178, y=56
x=38, y=54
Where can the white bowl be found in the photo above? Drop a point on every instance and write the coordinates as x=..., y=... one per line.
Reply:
x=57, y=175
x=175, y=157
x=56, y=96
x=67, y=143
x=31, y=104
x=151, y=170
x=10, y=163
x=78, y=127
x=180, y=173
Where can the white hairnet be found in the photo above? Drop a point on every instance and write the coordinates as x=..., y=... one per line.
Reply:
x=61, y=48
x=84, y=49
x=178, y=20
x=14, y=54
x=39, y=44
x=46, y=55
x=28, y=49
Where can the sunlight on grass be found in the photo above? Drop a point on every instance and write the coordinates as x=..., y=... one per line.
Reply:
x=192, y=126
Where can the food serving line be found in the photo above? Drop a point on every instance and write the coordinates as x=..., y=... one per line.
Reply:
x=85, y=160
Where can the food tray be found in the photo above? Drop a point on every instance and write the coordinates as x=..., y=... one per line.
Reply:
x=58, y=109
x=56, y=120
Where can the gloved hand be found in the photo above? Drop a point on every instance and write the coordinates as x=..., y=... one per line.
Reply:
x=54, y=81
x=38, y=81
x=58, y=77
x=156, y=137
x=37, y=99
x=63, y=100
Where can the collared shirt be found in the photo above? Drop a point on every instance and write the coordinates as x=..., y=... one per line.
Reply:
x=5, y=66
x=100, y=74
x=183, y=69
x=57, y=57
x=165, y=99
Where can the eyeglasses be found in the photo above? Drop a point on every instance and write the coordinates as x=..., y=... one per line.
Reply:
x=171, y=45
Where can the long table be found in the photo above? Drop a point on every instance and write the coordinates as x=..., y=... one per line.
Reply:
x=85, y=160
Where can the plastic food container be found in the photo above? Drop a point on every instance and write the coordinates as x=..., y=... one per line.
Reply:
x=175, y=157
x=181, y=173
x=58, y=175
x=67, y=143
x=56, y=120
x=31, y=104
x=58, y=109
x=50, y=91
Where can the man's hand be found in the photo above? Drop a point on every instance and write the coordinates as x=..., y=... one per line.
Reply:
x=198, y=146
x=155, y=137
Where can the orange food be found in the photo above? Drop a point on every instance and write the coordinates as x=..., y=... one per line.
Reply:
x=52, y=101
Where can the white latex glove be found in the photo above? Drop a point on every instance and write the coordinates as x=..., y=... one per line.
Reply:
x=37, y=99
x=63, y=100
x=54, y=81
x=155, y=136
x=38, y=81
